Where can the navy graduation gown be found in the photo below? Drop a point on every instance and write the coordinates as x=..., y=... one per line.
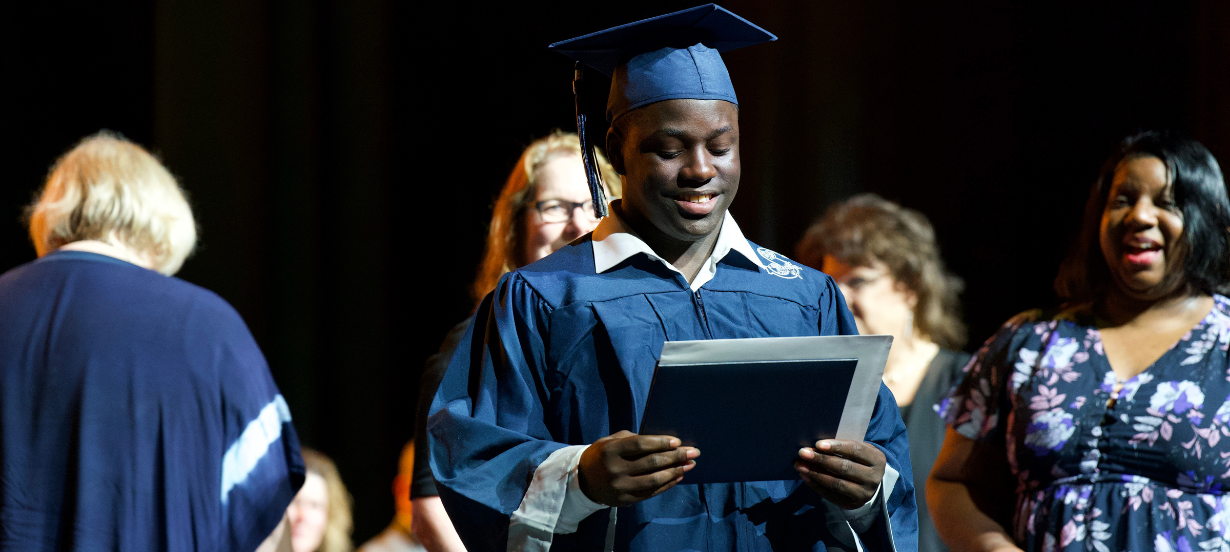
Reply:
x=558, y=355
x=137, y=414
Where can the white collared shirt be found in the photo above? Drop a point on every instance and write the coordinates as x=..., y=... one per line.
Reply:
x=554, y=502
x=614, y=242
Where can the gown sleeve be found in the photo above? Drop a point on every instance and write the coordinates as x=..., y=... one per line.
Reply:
x=486, y=431
x=422, y=483
x=977, y=406
x=897, y=526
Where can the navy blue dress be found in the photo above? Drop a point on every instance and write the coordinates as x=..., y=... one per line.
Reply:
x=560, y=355
x=1147, y=470
x=136, y=412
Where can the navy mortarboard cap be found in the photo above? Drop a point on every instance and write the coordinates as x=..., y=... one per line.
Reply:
x=669, y=57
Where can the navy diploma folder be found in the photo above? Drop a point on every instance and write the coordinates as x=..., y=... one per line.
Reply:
x=749, y=405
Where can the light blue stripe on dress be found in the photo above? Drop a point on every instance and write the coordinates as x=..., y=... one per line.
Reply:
x=243, y=455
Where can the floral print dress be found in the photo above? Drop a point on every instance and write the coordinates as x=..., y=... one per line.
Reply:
x=1103, y=464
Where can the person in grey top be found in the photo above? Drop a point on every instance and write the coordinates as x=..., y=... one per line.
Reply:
x=887, y=263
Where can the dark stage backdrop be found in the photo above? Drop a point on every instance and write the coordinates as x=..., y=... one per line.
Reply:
x=342, y=156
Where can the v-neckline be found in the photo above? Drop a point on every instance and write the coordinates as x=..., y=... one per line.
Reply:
x=1106, y=367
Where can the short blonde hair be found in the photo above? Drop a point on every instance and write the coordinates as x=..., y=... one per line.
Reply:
x=505, y=236
x=339, y=523
x=111, y=190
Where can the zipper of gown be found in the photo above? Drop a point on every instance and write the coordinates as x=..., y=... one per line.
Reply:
x=704, y=319
x=707, y=527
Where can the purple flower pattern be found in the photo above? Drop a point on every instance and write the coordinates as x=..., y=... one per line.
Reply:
x=1103, y=464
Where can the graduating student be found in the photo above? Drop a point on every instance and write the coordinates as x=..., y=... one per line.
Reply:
x=532, y=427
x=544, y=205
x=136, y=411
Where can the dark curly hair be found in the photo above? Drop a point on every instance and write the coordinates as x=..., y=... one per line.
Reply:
x=1199, y=192
x=867, y=228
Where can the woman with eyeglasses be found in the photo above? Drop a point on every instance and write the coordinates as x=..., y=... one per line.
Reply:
x=544, y=205
x=887, y=264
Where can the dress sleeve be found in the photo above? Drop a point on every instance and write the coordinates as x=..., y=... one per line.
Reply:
x=261, y=468
x=486, y=431
x=978, y=404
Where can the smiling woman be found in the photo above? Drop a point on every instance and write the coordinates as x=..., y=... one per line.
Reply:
x=548, y=170
x=1154, y=168
x=1086, y=407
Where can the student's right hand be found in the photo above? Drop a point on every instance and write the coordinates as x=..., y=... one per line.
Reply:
x=626, y=468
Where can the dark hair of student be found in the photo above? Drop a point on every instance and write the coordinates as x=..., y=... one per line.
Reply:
x=1199, y=192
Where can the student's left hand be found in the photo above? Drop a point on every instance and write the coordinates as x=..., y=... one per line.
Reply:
x=846, y=473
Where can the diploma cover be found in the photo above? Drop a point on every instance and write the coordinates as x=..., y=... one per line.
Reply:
x=749, y=405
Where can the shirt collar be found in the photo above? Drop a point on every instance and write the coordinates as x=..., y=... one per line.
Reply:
x=615, y=242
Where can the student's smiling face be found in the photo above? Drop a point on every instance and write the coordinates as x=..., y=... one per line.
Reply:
x=680, y=160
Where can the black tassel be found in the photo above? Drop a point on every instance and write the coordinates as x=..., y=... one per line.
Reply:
x=587, y=156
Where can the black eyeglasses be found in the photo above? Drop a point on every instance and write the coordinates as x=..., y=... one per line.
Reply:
x=558, y=210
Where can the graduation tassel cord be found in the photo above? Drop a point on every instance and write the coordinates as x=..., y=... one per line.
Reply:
x=587, y=156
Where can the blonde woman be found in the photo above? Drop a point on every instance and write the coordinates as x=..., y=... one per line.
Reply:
x=136, y=411
x=319, y=515
x=544, y=205
x=537, y=211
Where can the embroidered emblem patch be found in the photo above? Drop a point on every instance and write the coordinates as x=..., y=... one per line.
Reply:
x=778, y=265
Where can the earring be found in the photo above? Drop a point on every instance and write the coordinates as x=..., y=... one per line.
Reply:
x=909, y=325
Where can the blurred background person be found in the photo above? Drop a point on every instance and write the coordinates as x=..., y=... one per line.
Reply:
x=399, y=536
x=887, y=263
x=1109, y=412
x=320, y=514
x=544, y=205
x=136, y=411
